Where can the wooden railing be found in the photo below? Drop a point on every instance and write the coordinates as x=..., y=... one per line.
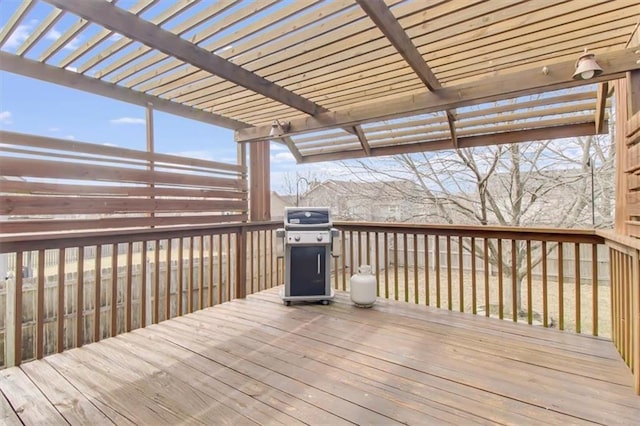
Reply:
x=107, y=283
x=552, y=277
x=625, y=303
x=116, y=281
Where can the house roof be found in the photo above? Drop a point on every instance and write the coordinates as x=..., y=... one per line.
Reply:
x=339, y=79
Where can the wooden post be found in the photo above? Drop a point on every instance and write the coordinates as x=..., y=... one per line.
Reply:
x=635, y=318
x=241, y=264
x=260, y=184
x=11, y=329
x=150, y=146
x=620, y=87
x=633, y=93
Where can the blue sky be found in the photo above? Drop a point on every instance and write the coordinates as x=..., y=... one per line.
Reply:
x=36, y=107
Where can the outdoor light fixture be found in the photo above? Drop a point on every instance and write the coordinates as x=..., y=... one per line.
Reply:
x=586, y=67
x=279, y=128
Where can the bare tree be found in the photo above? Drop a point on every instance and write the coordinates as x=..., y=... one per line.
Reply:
x=546, y=183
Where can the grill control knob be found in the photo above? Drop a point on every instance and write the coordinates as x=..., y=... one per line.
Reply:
x=319, y=237
x=297, y=238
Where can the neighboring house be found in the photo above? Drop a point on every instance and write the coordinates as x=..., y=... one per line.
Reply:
x=278, y=203
x=392, y=201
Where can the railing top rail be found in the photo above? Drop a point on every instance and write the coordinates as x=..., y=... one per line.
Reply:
x=624, y=240
x=478, y=231
x=13, y=243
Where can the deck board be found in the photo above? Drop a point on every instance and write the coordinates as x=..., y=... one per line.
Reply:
x=256, y=361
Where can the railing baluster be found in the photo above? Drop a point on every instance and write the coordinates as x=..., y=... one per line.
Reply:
x=359, y=249
x=625, y=300
x=251, y=262
x=167, y=289
x=487, y=299
x=352, y=269
x=594, y=284
x=449, y=279
x=220, y=265
x=377, y=257
x=210, y=270
x=97, y=301
x=190, y=278
x=14, y=316
x=201, y=273
x=436, y=255
x=395, y=266
x=61, y=311
x=40, y=307
x=228, y=267
x=461, y=274
x=143, y=285
x=386, y=265
x=80, y=299
x=259, y=255
x=427, y=287
x=545, y=295
x=577, y=285
x=416, y=287
x=343, y=253
x=529, y=285
x=180, y=276
x=405, y=253
x=368, y=243
x=560, y=286
x=114, y=290
x=500, y=282
x=271, y=257
x=474, y=281
x=514, y=281
x=129, y=295
x=263, y=259
x=156, y=282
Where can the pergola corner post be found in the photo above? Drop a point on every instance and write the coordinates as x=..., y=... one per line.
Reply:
x=259, y=181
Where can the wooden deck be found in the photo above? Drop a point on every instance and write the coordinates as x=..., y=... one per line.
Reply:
x=257, y=361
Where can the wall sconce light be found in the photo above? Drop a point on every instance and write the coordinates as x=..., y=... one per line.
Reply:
x=279, y=128
x=586, y=67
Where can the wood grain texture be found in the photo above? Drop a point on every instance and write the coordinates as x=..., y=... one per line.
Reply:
x=258, y=361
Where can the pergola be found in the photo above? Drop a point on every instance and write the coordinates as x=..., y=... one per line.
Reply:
x=342, y=79
x=106, y=240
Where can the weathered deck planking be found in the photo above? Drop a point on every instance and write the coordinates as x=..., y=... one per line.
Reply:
x=256, y=361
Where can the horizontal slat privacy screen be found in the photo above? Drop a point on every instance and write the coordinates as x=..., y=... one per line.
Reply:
x=50, y=185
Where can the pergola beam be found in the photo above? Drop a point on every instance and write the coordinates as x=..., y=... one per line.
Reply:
x=135, y=28
x=29, y=68
x=565, y=131
x=380, y=14
x=508, y=86
x=363, y=140
x=601, y=104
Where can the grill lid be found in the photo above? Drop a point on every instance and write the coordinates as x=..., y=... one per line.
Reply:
x=307, y=217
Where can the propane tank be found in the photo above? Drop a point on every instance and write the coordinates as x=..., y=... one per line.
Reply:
x=363, y=287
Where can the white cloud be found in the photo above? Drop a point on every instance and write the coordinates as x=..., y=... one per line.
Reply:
x=53, y=34
x=127, y=120
x=19, y=35
x=54, y=129
x=70, y=137
x=5, y=117
x=283, y=157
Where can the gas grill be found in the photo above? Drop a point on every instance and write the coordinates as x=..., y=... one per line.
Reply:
x=307, y=240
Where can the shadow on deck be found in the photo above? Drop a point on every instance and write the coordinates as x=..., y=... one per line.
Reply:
x=257, y=361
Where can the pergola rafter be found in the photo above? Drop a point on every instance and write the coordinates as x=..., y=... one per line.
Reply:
x=349, y=65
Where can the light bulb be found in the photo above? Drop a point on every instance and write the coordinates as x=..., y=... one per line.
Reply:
x=586, y=75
